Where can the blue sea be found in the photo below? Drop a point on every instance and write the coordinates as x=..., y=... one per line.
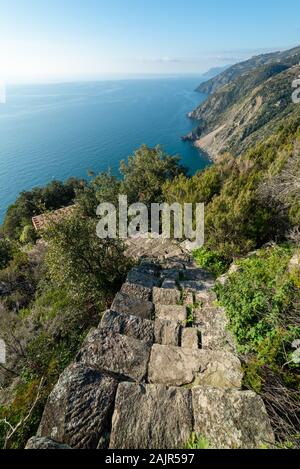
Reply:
x=61, y=130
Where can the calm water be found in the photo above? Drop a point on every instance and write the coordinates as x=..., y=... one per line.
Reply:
x=61, y=130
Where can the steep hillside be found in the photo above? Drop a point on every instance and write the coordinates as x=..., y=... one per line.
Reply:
x=247, y=109
x=290, y=57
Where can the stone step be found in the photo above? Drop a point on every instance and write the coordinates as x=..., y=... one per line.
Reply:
x=171, y=313
x=169, y=284
x=167, y=332
x=115, y=353
x=177, y=366
x=126, y=304
x=214, y=329
x=132, y=326
x=197, y=274
x=145, y=280
x=137, y=291
x=191, y=338
x=194, y=286
x=151, y=417
x=165, y=296
x=231, y=419
x=79, y=409
x=148, y=416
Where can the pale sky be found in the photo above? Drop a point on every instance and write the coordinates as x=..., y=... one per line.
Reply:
x=87, y=39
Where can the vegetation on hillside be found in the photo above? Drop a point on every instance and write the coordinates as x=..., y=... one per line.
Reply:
x=247, y=104
x=54, y=289
x=262, y=301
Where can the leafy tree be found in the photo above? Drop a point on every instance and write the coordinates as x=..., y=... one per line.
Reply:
x=145, y=173
x=91, y=267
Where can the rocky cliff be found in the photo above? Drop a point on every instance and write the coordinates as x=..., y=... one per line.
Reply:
x=246, y=103
x=160, y=366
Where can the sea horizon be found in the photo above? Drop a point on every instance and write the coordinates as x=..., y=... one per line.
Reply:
x=59, y=130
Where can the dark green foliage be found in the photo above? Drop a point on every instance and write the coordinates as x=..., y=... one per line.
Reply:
x=145, y=173
x=55, y=195
x=6, y=252
x=262, y=301
x=238, y=217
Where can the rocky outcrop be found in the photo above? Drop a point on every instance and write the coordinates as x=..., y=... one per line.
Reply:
x=160, y=366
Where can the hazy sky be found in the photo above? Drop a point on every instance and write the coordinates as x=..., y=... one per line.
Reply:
x=75, y=39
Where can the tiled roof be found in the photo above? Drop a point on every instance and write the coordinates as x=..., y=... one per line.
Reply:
x=41, y=221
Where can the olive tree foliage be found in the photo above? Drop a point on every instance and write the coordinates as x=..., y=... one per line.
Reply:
x=146, y=171
x=90, y=267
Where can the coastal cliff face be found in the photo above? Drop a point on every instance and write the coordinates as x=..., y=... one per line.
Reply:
x=160, y=367
x=246, y=103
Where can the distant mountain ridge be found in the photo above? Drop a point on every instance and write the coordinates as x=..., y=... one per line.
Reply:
x=246, y=103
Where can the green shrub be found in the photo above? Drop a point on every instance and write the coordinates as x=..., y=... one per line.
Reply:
x=197, y=442
x=212, y=261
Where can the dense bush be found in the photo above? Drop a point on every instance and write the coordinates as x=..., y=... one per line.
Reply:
x=262, y=301
x=39, y=200
x=239, y=215
x=212, y=261
x=6, y=252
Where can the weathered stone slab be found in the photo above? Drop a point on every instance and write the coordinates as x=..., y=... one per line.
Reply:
x=167, y=332
x=177, y=366
x=166, y=296
x=151, y=417
x=137, y=291
x=137, y=277
x=173, y=274
x=190, y=338
x=169, y=283
x=214, y=329
x=171, y=313
x=79, y=408
x=126, y=304
x=197, y=274
x=231, y=419
x=115, y=353
x=192, y=285
x=44, y=443
x=205, y=297
x=132, y=326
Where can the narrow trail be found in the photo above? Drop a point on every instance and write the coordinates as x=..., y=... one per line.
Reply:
x=160, y=366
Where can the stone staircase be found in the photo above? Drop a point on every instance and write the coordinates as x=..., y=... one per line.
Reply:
x=160, y=366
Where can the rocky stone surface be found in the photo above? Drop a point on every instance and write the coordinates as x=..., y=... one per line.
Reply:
x=126, y=304
x=44, y=443
x=147, y=377
x=169, y=284
x=79, y=409
x=132, y=326
x=137, y=291
x=231, y=419
x=177, y=366
x=165, y=296
x=213, y=324
x=115, y=353
x=151, y=416
x=171, y=312
x=167, y=332
x=191, y=338
x=139, y=278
